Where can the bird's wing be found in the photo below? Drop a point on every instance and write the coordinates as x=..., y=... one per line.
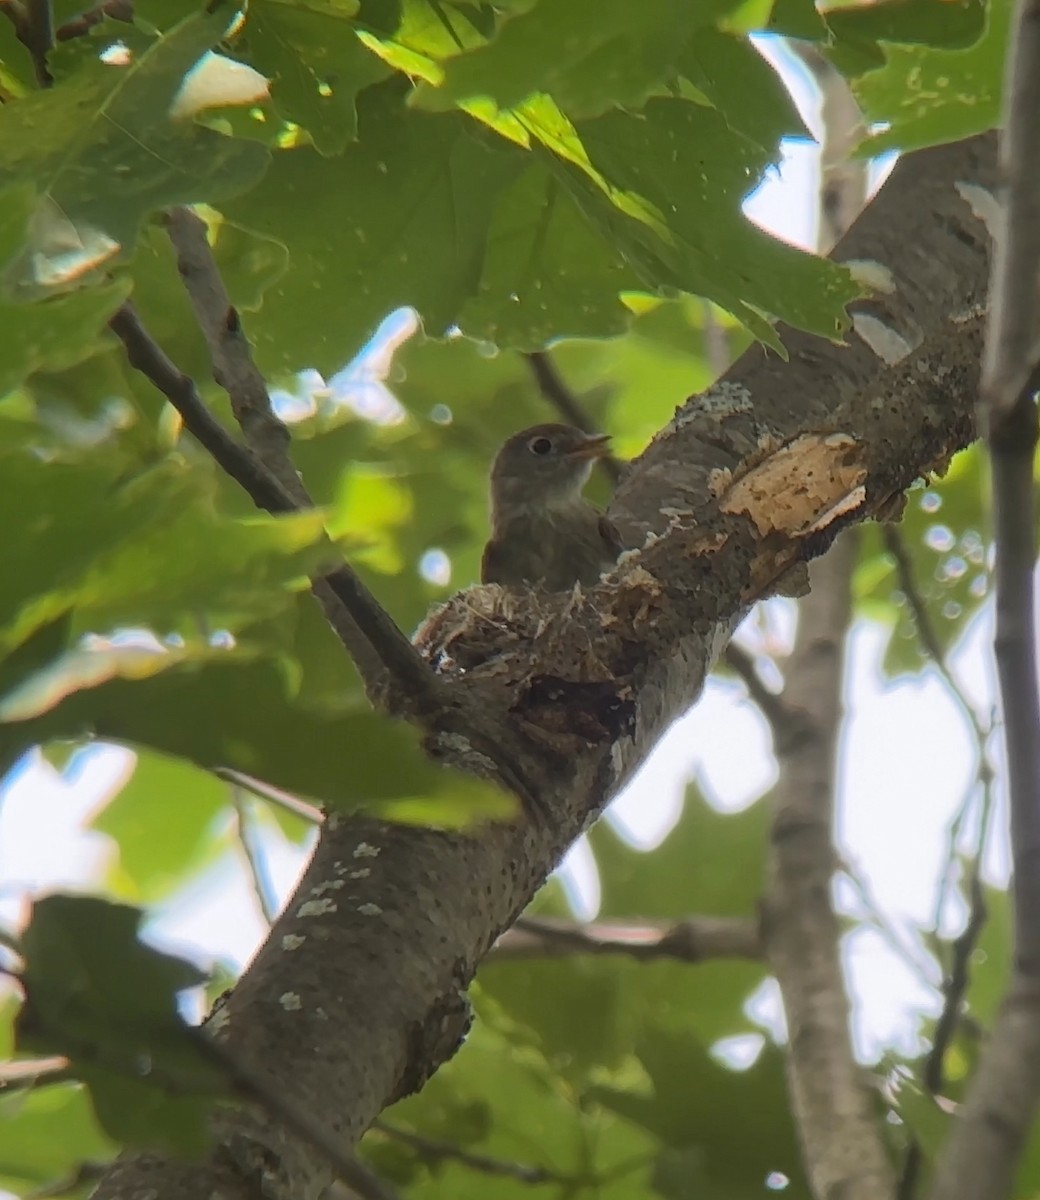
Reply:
x=491, y=565
x=608, y=531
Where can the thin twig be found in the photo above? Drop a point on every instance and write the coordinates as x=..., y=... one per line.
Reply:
x=273, y=795
x=431, y=1150
x=115, y=10
x=35, y=30
x=742, y=664
x=256, y=866
x=690, y=940
x=559, y=395
x=883, y=924
x=233, y=366
x=842, y=1147
x=896, y=546
x=416, y=688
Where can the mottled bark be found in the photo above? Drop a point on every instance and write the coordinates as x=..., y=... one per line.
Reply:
x=358, y=994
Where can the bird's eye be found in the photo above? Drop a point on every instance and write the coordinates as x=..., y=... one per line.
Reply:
x=539, y=445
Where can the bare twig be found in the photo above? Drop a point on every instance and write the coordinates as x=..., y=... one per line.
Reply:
x=256, y=867
x=116, y=10
x=981, y=1156
x=273, y=795
x=34, y=25
x=415, y=686
x=843, y=175
x=926, y=631
x=233, y=365
x=559, y=395
x=433, y=1151
x=742, y=664
x=690, y=940
x=883, y=924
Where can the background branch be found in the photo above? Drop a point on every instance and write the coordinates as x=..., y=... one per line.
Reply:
x=691, y=940
x=981, y=1156
x=844, y=1155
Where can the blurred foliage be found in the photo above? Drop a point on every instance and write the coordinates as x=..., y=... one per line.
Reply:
x=517, y=175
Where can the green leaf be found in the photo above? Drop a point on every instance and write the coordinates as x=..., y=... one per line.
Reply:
x=738, y=1122
x=990, y=965
x=580, y=1012
x=53, y=333
x=401, y=218
x=548, y=272
x=229, y=709
x=500, y=1099
x=150, y=868
x=692, y=869
x=100, y=997
x=32, y=1155
x=928, y=1123
x=590, y=55
x=103, y=152
x=318, y=66
x=151, y=551
x=743, y=87
x=930, y=96
x=693, y=169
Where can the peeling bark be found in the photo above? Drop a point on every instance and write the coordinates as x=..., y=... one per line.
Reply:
x=358, y=995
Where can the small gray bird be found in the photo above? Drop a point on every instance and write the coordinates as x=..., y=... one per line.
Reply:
x=543, y=531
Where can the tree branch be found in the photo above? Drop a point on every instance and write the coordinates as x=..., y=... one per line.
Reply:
x=594, y=679
x=928, y=636
x=253, y=857
x=775, y=711
x=690, y=940
x=34, y=25
x=382, y=651
x=1013, y=339
x=432, y=1151
x=981, y=1156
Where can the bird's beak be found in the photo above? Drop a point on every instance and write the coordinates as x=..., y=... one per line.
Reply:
x=594, y=446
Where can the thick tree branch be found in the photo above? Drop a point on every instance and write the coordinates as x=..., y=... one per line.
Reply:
x=690, y=940
x=593, y=679
x=981, y=1156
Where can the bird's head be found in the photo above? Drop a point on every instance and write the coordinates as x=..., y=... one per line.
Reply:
x=545, y=466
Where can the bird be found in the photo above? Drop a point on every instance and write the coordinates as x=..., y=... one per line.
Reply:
x=543, y=530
